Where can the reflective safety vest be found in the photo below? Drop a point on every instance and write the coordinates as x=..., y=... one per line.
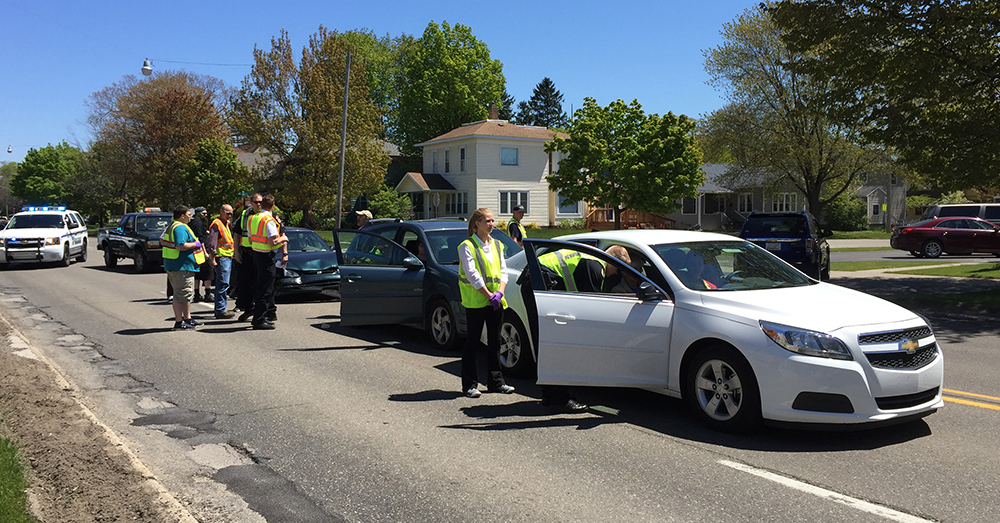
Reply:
x=258, y=232
x=564, y=262
x=245, y=217
x=170, y=250
x=520, y=228
x=489, y=269
x=226, y=244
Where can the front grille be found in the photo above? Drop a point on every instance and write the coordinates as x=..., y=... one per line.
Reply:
x=901, y=360
x=25, y=243
x=906, y=400
x=894, y=336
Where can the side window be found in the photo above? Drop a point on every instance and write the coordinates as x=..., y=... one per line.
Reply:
x=570, y=270
x=950, y=224
x=369, y=249
x=411, y=241
x=388, y=232
x=71, y=221
x=128, y=223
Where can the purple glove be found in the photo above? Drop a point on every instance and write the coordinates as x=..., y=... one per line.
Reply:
x=197, y=244
x=495, y=300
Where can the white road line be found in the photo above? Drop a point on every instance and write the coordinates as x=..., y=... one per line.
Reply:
x=865, y=506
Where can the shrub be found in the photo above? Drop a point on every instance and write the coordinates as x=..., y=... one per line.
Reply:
x=847, y=214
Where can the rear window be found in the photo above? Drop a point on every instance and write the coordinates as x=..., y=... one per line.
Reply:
x=790, y=225
x=959, y=210
x=992, y=212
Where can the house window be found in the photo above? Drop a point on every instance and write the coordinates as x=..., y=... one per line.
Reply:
x=893, y=180
x=689, y=205
x=434, y=162
x=508, y=156
x=875, y=209
x=456, y=204
x=745, y=202
x=447, y=161
x=461, y=160
x=784, y=202
x=509, y=199
x=568, y=206
x=712, y=204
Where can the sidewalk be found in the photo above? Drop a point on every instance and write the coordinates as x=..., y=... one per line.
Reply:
x=853, y=244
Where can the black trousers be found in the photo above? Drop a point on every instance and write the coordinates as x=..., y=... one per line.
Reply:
x=246, y=279
x=263, y=296
x=475, y=319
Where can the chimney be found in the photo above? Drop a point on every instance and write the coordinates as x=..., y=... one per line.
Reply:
x=494, y=112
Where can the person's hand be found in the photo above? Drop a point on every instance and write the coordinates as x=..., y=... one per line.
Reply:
x=197, y=244
x=495, y=300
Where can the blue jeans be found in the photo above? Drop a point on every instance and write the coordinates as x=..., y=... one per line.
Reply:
x=223, y=268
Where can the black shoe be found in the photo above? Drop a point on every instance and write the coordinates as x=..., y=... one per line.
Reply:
x=272, y=317
x=197, y=297
x=245, y=316
x=193, y=322
x=264, y=325
x=570, y=407
x=183, y=326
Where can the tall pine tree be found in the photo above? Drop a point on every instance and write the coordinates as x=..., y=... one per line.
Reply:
x=544, y=109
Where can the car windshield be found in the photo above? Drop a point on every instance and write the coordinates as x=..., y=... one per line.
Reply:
x=728, y=266
x=305, y=241
x=444, y=244
x=151, y=223
x=36, y=221
x=775, y=225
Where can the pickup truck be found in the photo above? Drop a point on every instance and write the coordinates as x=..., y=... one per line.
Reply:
x=137, y=236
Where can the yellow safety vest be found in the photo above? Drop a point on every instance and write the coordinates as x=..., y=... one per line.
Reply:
x=489, y=269
x=520, y=228
x=564, y=262
x=225, y=245
x=258, y=232
x=245, y=217
x=170, y=250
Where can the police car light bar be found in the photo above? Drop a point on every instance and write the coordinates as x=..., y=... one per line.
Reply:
x=31, y=208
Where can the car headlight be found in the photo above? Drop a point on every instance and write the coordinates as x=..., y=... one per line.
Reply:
x=810, y=343
x=51, y=241
x=291, y=274
x=152, y=244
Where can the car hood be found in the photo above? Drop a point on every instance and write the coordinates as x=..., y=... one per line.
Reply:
x=312, y=261
x=44, y=232
x=821, y=307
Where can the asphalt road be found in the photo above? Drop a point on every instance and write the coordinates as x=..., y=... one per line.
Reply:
x=315, y=422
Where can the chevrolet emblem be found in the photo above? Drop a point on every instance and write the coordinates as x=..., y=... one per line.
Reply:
x=910, y=346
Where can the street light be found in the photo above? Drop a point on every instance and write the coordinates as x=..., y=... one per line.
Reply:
x=10, y=149
x=147, y=68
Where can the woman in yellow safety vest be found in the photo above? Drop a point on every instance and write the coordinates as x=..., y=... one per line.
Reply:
x=482, y=278
x=182, y=254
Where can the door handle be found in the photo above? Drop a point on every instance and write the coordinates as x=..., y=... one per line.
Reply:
x=560, y=319
x=353, y=278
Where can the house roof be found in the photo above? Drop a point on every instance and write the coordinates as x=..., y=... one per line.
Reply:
x=250, y=155
x=423, y=182
x=495, y=129
x=867, y=190
x=712, y=173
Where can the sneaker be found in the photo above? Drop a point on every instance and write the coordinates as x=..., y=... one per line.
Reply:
x=193, y=322
x=504, y=389
x=183, y=326
x=224, y=315
x=245, y=316
x=473, y=393
x=197, y=297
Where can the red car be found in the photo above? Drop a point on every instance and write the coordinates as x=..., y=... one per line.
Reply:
x=951, y=235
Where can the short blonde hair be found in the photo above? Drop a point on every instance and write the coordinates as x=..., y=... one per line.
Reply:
x=477, y=215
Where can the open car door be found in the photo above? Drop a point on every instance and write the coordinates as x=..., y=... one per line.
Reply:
x=380, y=281
x=602, y=335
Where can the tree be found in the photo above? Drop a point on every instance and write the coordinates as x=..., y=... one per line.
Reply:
x=294, y=113
x=544, y=109
x=507, y=108
x=41, y=178
x=146, y=131
x=8, y=201
x=215, y=175
x=619, y=157
x=920, y=77
x=448, y=79
x=775, y=124
x=387, y=203
x=380, y=58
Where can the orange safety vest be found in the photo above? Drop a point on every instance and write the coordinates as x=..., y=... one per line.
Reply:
x=258, y=232
x=226, y=243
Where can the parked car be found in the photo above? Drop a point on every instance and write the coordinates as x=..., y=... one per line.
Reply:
x=932, y=238
x=987, y=211
x=44, y=234
x=384, y=280
x=312, y=266
x=739, y=334
x=137, y=237
x=793, y=237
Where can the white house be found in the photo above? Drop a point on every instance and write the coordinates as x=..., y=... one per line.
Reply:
x=491, y=163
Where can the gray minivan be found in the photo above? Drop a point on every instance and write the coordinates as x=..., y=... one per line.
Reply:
x=986, y=211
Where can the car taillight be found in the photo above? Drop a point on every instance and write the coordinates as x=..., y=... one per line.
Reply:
x=906, y=230
x=810, y=244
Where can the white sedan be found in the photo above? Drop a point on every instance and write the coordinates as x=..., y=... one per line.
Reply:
x=738, y=333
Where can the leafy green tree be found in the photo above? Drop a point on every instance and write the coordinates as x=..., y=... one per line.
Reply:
x=544, y=109
x=507, y=108
x=775, y=125
x=380, y=59
x=621, y=158
x=448, y=79
x=294, y=113
x=41, y=178
x=215, y=175
x=847, y=214
x=920, y=77
x=388, y=203
x=8, y=202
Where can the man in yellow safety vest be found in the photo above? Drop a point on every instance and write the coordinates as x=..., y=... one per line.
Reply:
x=221, y=248
x=246, y=273
x=267, y=243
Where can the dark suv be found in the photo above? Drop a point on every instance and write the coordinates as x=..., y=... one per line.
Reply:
x=792, y=236
x=406, y=272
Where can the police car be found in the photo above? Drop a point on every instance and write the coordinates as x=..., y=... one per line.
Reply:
x=44, y=234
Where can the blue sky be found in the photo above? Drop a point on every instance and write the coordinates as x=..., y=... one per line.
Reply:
x=55, y=53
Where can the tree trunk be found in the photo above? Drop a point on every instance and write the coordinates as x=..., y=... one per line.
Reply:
x=618, y=218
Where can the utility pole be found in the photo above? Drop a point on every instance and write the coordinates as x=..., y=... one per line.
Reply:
x=343, y=140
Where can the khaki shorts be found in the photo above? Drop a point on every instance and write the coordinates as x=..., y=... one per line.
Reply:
x=183, y=284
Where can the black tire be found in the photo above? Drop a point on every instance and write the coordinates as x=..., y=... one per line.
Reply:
x=110, y=260
x=139, y=259
x=66, y=260
x=82, y=257
x=917, y=254
x=824, y=273
x=932, y=249
x=720, y=387
x=442, y=326
x=515, y=347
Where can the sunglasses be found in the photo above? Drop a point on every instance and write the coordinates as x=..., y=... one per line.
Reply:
x=256, y=201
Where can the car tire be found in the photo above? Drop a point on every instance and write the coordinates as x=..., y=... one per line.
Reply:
x=139, y=259
x=721, y=388
x=824, y=273
x=82, y=257
x=66, y=260
x=932, y=249
x=110, y=260
x=917, y=254
x=442, y=326
x=515, y=347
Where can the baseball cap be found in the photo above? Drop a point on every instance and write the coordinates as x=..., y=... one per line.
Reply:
x=365, y=212
x=517, y=208
x=199, y=210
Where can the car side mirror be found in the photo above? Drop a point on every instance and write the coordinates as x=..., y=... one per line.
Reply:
x=412, y=262
x=827, y=233
x=648, y=292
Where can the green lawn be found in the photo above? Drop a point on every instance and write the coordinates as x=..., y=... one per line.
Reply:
x=13, y=501
x=979, y=270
